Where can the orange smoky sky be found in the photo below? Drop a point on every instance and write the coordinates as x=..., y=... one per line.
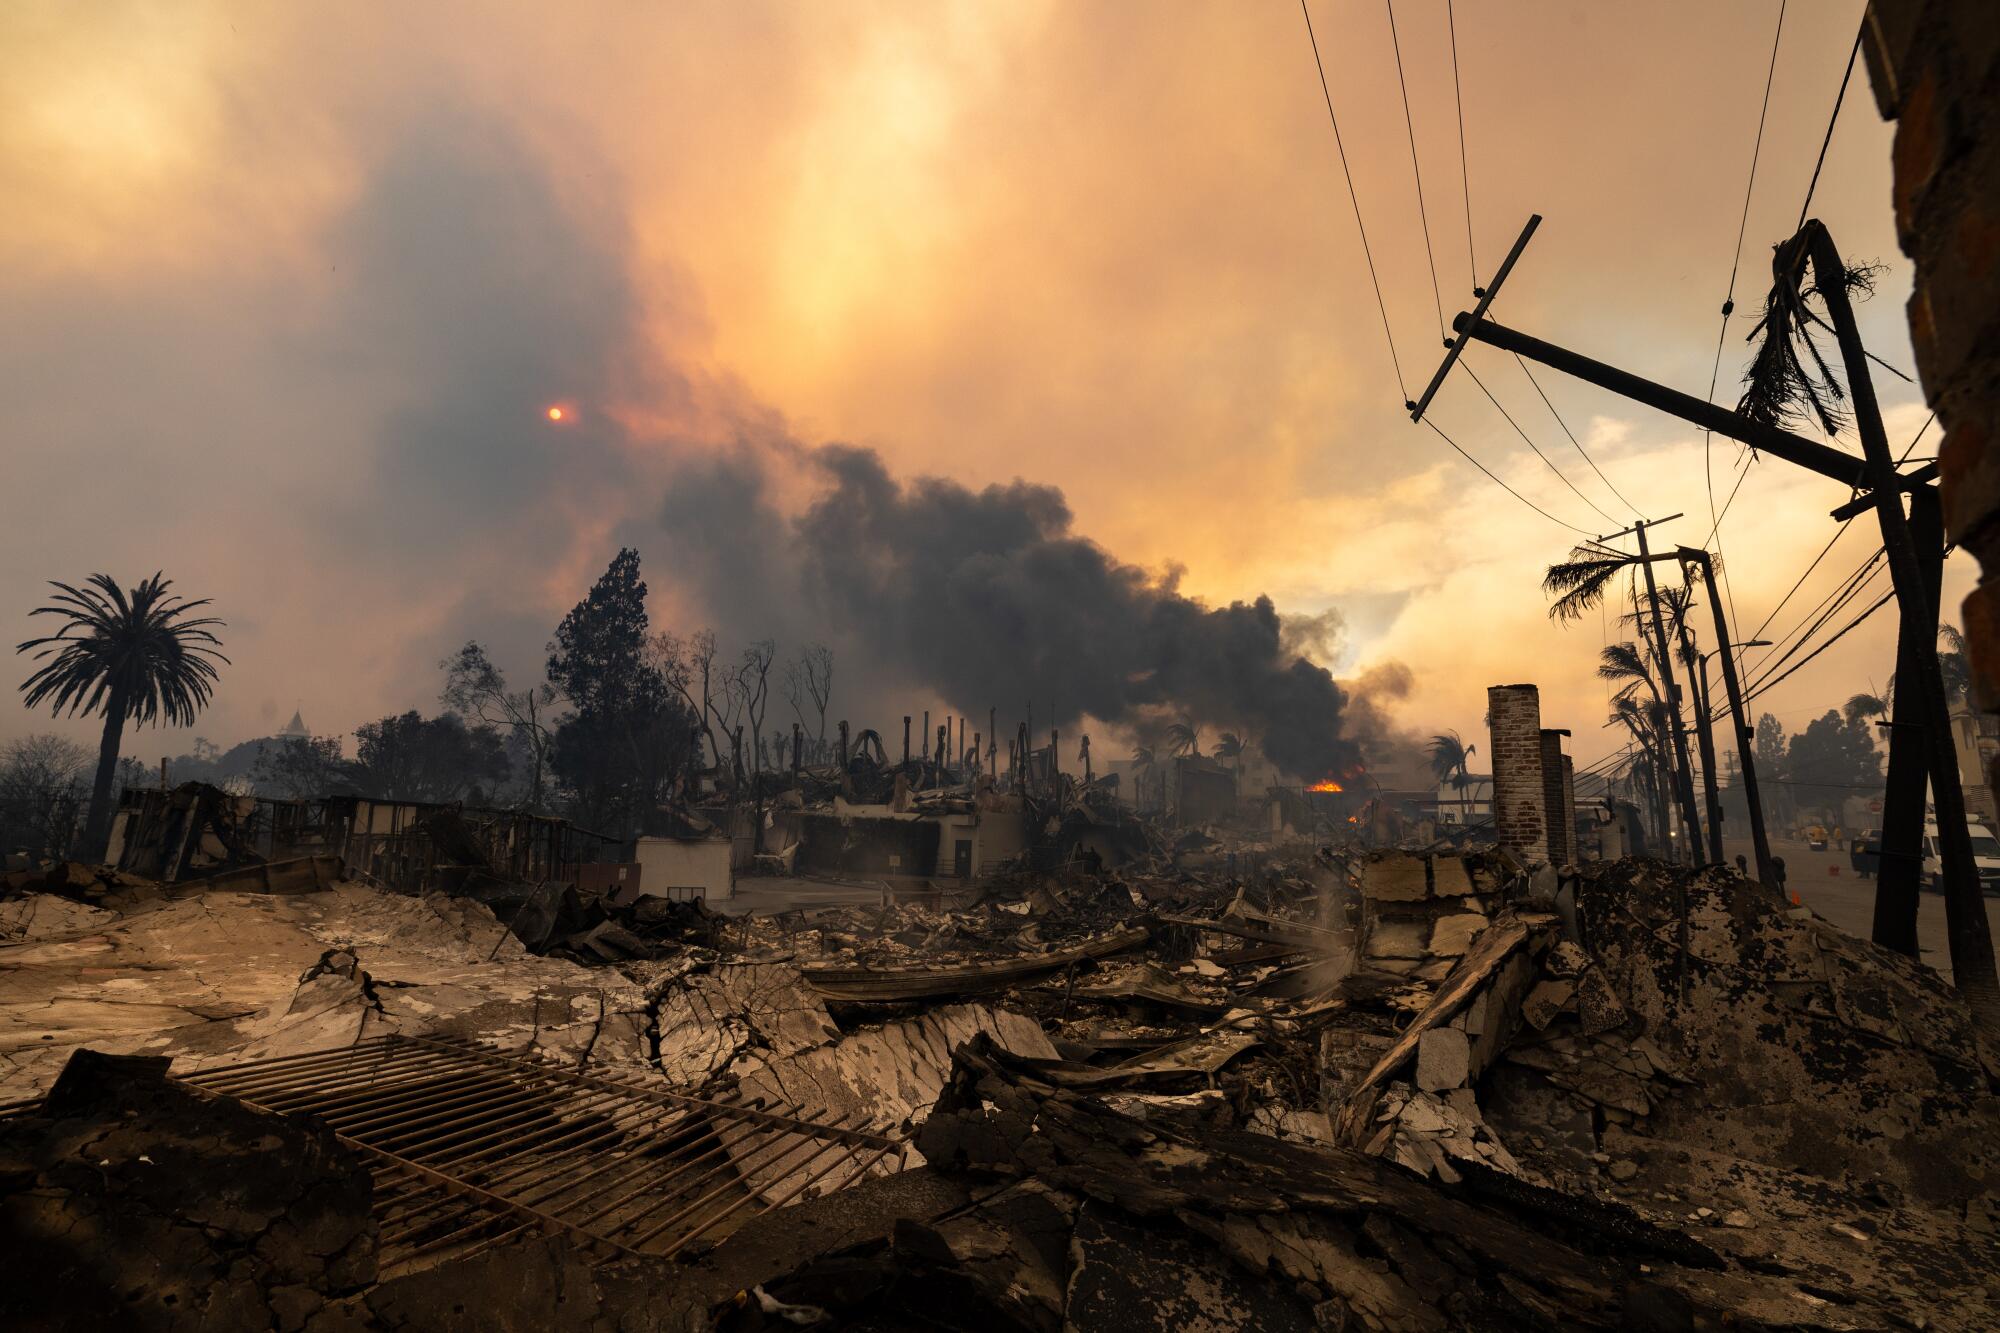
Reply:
x=292, y=295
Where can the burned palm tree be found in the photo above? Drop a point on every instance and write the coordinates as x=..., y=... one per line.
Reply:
x=1448, y=759
x=135, y=656
x=1578, y=583
x=1626, y=664
x=1860, y=707
x=1184, y=737
x=1644, y=721
x=1784, y=387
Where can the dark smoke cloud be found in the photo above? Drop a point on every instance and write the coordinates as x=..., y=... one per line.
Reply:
x=989, y=598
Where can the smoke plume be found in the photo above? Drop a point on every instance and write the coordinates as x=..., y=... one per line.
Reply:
x=990, y=598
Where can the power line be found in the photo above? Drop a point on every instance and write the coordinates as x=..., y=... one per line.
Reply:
x=1822, y=611
x=1532, y=445
x=1465, y=181
x=1572, y=437
x=1756, y=151
x=1758, y=632
x=1879, y=604
x=1844, y=593
x=1838, y=97
x=1501, y=484
x=1908, y=449
x=1464, y=176
x=1374, y=277
x=1380, y=305
x=1723, y=333
x=1424, y=217
x=1851, y=587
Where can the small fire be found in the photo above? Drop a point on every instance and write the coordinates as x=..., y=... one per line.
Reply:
x=1326, y=784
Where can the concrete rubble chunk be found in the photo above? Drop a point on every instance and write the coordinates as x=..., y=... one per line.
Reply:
x=1395, y=877
x=1453, y=935
x=1545, y=1001
x=1443, y=1059
x=1450, y=878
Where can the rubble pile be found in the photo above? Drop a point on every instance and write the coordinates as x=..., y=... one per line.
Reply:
x=1338, y=1088
x=141, y=1204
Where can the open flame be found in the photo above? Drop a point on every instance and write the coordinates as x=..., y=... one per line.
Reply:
x=1326, y=784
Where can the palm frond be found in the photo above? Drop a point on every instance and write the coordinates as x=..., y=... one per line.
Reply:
x=1578, y=583
x=1781, y=387
x=1621, y=661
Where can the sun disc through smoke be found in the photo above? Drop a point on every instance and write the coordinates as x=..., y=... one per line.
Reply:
x=556, y=414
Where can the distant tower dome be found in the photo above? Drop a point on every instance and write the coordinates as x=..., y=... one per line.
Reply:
x=295, y=729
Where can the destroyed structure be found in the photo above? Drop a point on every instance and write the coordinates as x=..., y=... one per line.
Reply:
x=345, y=1064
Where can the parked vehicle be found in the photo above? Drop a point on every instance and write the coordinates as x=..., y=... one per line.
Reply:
x=1985, y=855
x=1865, y=853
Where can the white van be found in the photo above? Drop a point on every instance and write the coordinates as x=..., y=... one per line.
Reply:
x=1985, y=855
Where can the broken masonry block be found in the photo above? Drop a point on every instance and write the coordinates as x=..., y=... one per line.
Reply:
x=1396, y=877
x=1449, y=877
x=1545, y=1001
x=1444, y=1059
x=1454, y=934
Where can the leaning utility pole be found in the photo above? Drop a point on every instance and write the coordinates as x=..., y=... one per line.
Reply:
x=1966, y=926
x=1900, y=852
x=1970, y=935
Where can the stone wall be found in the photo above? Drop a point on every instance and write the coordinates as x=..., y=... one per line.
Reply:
x=1520, y=824
x=1935, y=67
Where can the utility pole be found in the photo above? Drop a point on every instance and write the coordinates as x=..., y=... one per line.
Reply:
x=1746, y=734
x=1683, y=775
x=1900, y=853
x=1705, y=739
x=1970, y=936
x=1966, y=926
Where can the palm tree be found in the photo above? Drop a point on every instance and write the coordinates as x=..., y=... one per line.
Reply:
x=1952, y=663
x=1145, y=765
x=133, y=656
x=1184, y=737
x=1624, y=661
x=1229, y=747
x=1645, y=722
x=1448, y=756
x=1860, y=706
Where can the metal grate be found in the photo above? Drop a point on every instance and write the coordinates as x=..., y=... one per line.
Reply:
x=473, y=1147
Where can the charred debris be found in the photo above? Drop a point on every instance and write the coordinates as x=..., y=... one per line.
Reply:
x=954, y=1050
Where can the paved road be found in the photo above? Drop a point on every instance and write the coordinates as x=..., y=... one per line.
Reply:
x=1826, y=882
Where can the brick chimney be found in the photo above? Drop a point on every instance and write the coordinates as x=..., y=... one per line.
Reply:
x=1514, y=718
x=1560, y=835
